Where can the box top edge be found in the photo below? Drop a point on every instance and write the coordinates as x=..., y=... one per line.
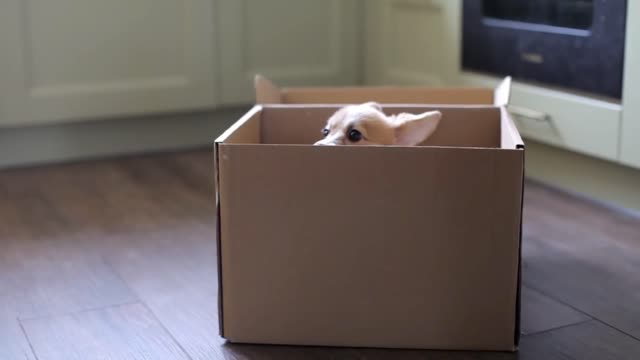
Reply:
x=267, y=92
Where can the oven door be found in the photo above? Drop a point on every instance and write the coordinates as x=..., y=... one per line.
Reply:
x=572, y=44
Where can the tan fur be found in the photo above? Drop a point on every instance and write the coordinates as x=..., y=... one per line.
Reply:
x=377, y=128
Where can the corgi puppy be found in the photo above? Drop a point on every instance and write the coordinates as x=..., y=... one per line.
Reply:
x=367, y=124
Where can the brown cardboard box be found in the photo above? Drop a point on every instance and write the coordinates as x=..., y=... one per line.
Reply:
x=370, y=246
x=268, y=93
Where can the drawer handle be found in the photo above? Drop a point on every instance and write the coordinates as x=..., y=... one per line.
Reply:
x=529, y=114
x=423, y=5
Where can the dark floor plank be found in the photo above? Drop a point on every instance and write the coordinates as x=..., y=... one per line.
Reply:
x=584, y=256
x=119, y=333
x=591, y=340
x=113, y=195
x=97, y=234
x=391, y=354
x=56, y=277
x=29, y=216
x=173, y=270
x=541, y=313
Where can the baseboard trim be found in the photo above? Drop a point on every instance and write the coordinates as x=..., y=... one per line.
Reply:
x=36, y=145
x=605, y=183
x=614, y=207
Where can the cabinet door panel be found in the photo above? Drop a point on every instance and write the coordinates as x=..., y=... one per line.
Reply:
x=630, y=135
x=76, y=60
x=413, y=42
x=562, y=119
x=293, y=42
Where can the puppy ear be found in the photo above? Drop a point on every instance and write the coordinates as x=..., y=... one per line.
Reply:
x=374, y=105
x=412, y=129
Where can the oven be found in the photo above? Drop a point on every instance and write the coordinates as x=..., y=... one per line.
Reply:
x=569, y=44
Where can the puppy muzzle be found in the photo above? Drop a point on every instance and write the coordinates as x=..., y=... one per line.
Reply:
x=324, y=142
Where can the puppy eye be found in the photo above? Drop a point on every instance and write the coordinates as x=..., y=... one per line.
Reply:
x=325, y=132
x=354, y=135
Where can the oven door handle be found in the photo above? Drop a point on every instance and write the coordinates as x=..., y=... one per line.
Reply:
x=529, y=114
x=419, y=5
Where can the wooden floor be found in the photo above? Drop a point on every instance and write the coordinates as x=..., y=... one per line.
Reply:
x=115, y=260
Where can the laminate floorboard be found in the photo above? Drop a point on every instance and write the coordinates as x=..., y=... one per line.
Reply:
x=47, y=272
x=13, y=343
x=591, y=340
x=584, y=256
x=115, y=333
x=543, y=313
x=116, y=259
x=172, y=272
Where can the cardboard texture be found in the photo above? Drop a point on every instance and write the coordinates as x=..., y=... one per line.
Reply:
x=268, y=93
x=370, y=246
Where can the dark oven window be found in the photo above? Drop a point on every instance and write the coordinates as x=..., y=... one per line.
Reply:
x=568, y=44
x=575, y=14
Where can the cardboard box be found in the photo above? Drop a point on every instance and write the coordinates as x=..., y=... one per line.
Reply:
x=268, y=93
x=370, y=246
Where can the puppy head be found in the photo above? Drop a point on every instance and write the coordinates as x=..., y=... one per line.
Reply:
x=366, y=124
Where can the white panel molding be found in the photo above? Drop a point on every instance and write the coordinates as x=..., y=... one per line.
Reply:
x=56, y=69
x=239, y=62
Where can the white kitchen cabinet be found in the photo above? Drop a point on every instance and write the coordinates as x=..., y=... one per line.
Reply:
x=579, y=123
x=630, y=134
x=77, y=60
x=293, y=42
x=412, y=42
x=567, y=120
x=572, y=122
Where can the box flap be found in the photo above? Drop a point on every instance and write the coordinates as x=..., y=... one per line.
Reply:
x=240, y=133
x=388, y=95
x=266, y=91
x=245, y=130
x=509, y=135
x=269, y=93
x=216, y=182
x=469, y=126
x=502, y=93
x=518, y=309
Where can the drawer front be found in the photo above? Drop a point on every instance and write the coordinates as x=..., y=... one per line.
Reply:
x=568, y=121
